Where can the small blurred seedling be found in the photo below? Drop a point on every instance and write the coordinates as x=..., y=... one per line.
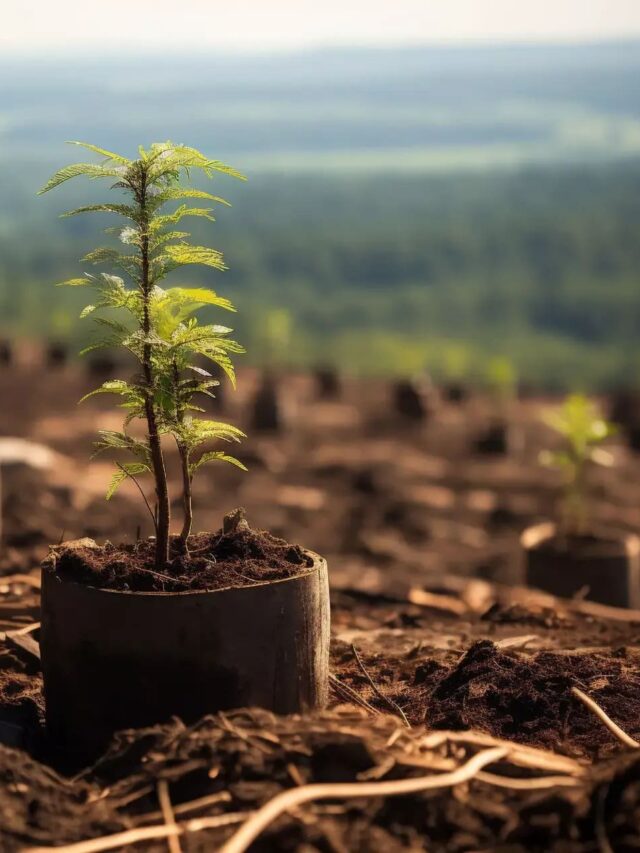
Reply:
x=583, y=429
x=455, y=361
x=501, y=379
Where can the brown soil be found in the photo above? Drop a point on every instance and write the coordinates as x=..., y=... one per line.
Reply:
x=242, y=759
x=396, y=512
x=529, y=697
x=215, y=561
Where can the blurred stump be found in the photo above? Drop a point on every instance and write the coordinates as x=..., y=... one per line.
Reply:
x=327, y=383
x=624, y=408
x=57, y=355
x=455, y=392
x=6, y=353
x=410, y=400
x=266, y=409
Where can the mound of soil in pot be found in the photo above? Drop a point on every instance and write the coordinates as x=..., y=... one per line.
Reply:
x=240, y=557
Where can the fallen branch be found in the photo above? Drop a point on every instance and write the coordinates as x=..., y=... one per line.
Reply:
x=190, y=806
x=287, y=800
x=436, y=601
x=395, y=708
x=614, y=728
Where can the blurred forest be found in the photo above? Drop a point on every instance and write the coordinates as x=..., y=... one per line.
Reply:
x=405, y=209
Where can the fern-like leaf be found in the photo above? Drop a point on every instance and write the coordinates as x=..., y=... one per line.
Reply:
x=124, y=472
x=217, y=456
x=108, y=155
x=90, y=170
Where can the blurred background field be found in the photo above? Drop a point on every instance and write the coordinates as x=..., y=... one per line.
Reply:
x=408, y=208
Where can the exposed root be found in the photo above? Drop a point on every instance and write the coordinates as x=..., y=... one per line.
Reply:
x=614, y=728
x=393, y=706
x=346, y=692
x=164, y=799
x=246, y=835
x=145, y=833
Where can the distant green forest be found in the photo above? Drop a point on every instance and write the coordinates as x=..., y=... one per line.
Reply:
x=407, y=209
x=391, y=273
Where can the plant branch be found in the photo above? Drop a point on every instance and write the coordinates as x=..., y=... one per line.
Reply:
x=144, y=497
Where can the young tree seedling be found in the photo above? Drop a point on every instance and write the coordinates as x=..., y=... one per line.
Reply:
x=583, y=429
x=154, y=324
x=502, y=381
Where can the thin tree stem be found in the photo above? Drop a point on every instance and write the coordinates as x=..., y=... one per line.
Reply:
x=144, y=497
x=187, y=498
x=184, y=461
x=155, y=447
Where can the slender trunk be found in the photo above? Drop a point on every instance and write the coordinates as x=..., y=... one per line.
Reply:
x=186, y=496
x=184, y=461
x=157, y=458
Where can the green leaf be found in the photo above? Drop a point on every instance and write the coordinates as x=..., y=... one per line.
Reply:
x=121, y=209
x=177, y=193
x=217, y=456
x=108, y=155
x=168, y=159
x=159, y=222
x=115, y=386
x=129, y=469
x=90, y=170
x=76, y=282
x=183, y=254
x=114, y=440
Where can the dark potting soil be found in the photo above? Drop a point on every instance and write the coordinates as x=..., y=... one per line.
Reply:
x=241, y=557
x=236, y=762
x=513, y=694
x=528, y=697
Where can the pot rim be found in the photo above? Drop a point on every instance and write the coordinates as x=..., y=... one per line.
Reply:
x=535, y=535
x=319, y=563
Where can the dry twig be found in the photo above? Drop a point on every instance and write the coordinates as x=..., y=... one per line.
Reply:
x=164, y=799
x=346, y=692
x=395, y=708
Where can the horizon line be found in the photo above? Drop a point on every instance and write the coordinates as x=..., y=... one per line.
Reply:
x=142, y=50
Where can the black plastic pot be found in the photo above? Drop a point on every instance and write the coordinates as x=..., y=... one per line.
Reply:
x=608, y=566
x=633, y=437
x=57, y=355
x=113, y=660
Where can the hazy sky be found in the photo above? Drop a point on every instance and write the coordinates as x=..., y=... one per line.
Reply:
x=269, y=25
